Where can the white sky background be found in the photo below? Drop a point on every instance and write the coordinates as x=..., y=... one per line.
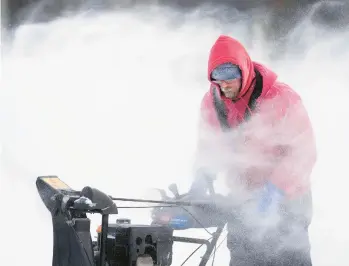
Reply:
x=111, y=101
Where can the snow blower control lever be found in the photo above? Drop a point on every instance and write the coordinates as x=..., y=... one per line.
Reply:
x=122, y=243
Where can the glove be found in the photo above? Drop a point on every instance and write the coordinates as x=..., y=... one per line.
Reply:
x=270, y=198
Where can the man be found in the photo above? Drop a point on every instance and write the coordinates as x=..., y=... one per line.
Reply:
x=256, y=130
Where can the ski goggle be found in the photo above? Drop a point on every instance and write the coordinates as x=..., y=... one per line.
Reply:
x=227, y=81
x=225, y=73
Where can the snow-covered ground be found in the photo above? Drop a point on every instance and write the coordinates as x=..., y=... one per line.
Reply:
x=112, y=100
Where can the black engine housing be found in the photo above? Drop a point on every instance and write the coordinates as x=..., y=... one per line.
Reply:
x=127, y=242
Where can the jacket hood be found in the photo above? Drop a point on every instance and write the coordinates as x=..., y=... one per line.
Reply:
x=229, y=50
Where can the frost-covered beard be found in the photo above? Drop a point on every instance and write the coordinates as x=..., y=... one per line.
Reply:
x=230, y=93
x=232, y=90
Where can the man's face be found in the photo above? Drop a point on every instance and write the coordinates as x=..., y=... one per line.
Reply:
x=230, y=88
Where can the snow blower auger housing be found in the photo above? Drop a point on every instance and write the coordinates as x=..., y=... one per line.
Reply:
x=119, y=244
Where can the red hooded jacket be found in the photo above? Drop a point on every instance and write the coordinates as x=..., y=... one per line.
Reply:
x=277, y=140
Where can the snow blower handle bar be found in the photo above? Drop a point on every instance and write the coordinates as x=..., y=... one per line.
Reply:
x=53, y=189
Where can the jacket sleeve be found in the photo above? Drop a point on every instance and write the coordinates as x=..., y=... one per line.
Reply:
x=294, y=151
